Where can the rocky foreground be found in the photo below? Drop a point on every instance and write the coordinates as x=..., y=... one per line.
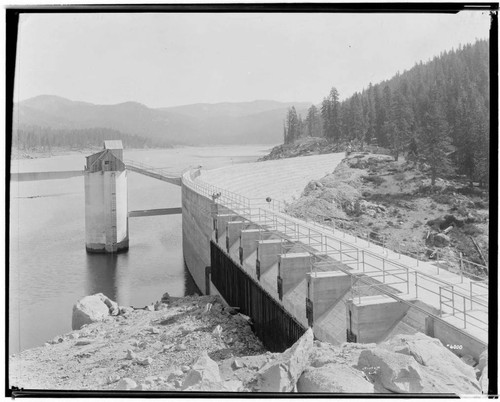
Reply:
x=198, y=344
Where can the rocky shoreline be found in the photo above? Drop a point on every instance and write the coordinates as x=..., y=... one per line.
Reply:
x=393, y=203
x=198, y=344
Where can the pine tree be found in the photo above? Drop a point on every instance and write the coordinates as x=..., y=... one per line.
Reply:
x=335, y=112
x=399, y=123
x=292, y=125
x=326, y=116
x=357, y=121
x=313, y=122
x=435, y=143
x=380, y=113
x=330, y=112
x=370, y=115
x=395, y=113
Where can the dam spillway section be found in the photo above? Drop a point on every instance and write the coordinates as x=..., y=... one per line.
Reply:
x=345, y=289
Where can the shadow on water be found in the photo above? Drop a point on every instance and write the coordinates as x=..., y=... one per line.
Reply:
x=190, y=287
x=101, y=274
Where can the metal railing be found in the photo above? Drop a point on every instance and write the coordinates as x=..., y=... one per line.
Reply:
x=409, y=280
x=159, y=171
x=483, y=289
x=458, y=306
x=446, y=262
x=441, y=261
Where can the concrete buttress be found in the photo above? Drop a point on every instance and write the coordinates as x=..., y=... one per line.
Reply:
x=292, y=269
x=233, y=230
x=249, y=239
x=324, y=291
x=267, y=254
x=370, y=318
x=221, y=221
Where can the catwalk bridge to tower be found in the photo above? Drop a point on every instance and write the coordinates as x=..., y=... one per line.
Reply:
x=106, y=198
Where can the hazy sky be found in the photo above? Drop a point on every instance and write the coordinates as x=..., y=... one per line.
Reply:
x=176, y=59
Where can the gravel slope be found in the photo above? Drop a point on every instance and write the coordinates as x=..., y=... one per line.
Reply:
x=161, y=343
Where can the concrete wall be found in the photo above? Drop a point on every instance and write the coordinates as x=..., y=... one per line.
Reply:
x=292, y=269
x=458, y=342
x=417, y=318
x=374, y=316
x=197, y=228
x=94, y=209
x=121, y=206
x=103, y=232
x=326, y=289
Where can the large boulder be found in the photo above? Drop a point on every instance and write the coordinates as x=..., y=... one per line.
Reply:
x=431, y=352
x=322, y=354
x=437, y=240
x=441, y=240
x=483, y=360
x=483, y=381
x=204, y=370
x=483, y=371
x=392, y=371
x=126, y=384
x=255, y=362
x=334, y=377
x=92, y=309
x=165, y=298
x=113, y=307
x=218, y=386
x=401, y=373
x=282, y=373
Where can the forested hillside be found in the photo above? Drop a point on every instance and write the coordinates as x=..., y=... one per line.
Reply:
x=52, y=119
x=46, y=139
x=437, y=112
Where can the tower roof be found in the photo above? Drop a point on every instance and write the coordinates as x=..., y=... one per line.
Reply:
x=113, y=144
x=104, y=160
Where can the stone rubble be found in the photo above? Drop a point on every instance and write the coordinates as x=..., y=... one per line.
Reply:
x=482, y=369
x=282, y=374
x=204, y=370
x=91, y=309
x=126, y=384
x=334, y=377
x=196, y=344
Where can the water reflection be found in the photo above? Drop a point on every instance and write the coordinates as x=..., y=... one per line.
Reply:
x=102, y=274
x=49, y=216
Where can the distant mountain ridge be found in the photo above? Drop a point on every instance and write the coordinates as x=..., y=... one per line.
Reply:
x=259, y=121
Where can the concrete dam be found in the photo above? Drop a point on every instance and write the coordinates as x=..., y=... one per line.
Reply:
x=288, y=274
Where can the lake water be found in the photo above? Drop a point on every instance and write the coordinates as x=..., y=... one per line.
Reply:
x=49, y=269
